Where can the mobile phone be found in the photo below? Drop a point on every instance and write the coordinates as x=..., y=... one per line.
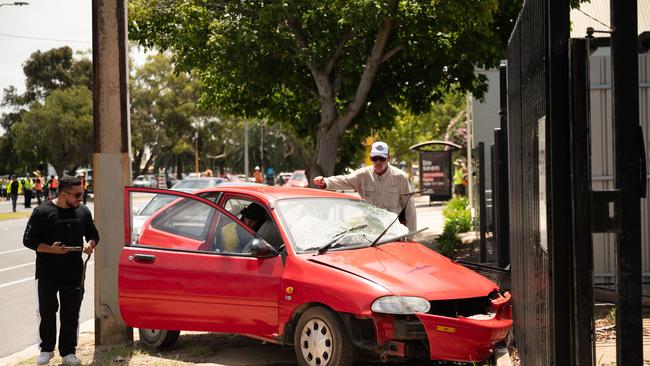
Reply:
x=73, y=249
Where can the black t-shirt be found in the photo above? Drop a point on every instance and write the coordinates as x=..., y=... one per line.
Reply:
x=14, y=187
x=49, y=224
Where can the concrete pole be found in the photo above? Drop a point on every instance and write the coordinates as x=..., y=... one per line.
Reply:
x=246, y=148
x=111, y=161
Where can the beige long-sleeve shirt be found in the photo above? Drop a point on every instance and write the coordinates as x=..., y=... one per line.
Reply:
x=389, y=190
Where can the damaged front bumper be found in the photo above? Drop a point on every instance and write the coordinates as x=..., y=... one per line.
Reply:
x=443, y=337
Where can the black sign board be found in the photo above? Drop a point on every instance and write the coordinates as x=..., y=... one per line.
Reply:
x=435, y=174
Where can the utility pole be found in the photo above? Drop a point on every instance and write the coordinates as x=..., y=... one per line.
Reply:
x=196, y=152
x=262, y=146
x=246, y=149
x=111, y=161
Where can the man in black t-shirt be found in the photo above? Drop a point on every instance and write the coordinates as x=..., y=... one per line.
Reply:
x=52, y=230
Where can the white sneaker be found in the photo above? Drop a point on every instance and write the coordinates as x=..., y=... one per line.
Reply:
x=71, y=359
x=44, y=358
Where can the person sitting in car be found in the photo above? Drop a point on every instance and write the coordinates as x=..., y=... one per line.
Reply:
x=234, y=236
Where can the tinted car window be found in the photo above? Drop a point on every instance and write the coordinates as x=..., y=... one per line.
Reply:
x=188, y=218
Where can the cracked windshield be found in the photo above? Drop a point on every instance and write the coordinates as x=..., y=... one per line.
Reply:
x=315, y=222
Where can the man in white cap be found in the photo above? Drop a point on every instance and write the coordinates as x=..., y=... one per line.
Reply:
x=381, y=184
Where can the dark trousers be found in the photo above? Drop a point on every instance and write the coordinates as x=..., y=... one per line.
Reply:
x=69, y=316
x=38, y=196
x=14, y=199
x=28, y=198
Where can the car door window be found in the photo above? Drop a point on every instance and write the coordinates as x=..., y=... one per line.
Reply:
x=171, y=221
x=236, y=205
x=268, y=230
x=231, y=237
x=186, y=218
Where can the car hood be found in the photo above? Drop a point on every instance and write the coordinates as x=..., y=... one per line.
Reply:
x=409, y=269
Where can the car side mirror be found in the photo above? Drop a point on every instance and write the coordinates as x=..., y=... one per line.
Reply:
x=261, y=249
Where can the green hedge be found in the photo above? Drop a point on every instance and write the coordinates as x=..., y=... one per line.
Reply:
x=457, y=220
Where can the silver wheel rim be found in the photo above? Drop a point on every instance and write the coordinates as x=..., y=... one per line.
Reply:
x=152, y=333
x=316, y=343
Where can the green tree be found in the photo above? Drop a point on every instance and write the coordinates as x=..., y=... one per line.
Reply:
x=282, y=150
x=59, y=128
x=410, y=128
x=330, y=69
x=45, y=72
x=164, y=115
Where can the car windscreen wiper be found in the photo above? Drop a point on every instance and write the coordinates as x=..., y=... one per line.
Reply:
x=338, y=236
x=396, y=238
x=396, y=217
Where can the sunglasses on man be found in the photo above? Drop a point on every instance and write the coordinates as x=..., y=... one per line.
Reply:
x=377, y=158
x=76, y=195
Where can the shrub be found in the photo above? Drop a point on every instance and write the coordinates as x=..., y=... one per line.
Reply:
x=457, y=220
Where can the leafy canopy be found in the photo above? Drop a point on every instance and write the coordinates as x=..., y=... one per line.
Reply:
x=284, y=60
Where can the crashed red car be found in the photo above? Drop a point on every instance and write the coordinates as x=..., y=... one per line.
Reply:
x=316, y=273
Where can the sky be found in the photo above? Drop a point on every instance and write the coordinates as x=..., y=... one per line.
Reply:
x=41, y=25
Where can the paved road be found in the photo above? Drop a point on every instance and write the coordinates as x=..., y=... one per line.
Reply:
x=18, y=324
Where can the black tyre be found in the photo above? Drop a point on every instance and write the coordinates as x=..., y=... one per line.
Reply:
x=158, y=338
x=322, y=340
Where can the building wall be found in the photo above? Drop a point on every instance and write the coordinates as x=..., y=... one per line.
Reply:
x=602, y=165
x=485, y=118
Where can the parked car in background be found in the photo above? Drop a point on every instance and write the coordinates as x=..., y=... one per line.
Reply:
x=327, y=273
x=282, y=178
x=192, y=184
x=88, y=172
x=146, y=181
x=188, y=185
x=298, y=179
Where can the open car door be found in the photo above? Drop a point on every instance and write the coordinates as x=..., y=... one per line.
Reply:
x=175, y=272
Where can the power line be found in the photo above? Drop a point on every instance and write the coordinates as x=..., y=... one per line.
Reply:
x=608, y=27
x=41, y=38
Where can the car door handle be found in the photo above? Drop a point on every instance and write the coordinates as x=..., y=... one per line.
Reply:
x=145, y=258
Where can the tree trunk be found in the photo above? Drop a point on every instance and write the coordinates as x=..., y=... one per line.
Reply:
x=179, y=168
x=137, y=160
x=327, y=143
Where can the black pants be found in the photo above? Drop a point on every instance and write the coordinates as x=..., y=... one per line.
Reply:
x=14, y=199
x=38, y=196
x=69, y=316
x=28, y=198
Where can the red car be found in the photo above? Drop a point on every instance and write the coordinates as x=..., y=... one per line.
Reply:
x=298, y=179
x=314, y=271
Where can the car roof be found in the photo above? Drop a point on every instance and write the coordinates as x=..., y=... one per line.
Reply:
x=274, y=193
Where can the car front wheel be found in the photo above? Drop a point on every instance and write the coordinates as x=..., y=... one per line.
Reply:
x=321, y=339
x=158, y=338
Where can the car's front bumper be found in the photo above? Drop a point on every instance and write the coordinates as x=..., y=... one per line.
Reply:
x=463, y=339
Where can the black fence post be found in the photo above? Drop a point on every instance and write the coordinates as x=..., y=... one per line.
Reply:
x=482, y=204
x=583, y=294
x=500, y=188
x=627, y=178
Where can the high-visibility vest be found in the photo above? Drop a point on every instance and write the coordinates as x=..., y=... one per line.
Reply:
x=39, y=184
x=54, y=184
x=29, y=184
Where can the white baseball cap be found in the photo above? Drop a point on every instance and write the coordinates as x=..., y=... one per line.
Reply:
x=379, y=149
